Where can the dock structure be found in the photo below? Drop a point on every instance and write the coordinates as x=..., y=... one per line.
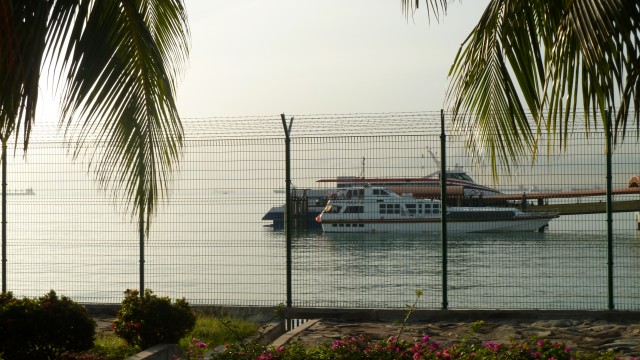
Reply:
x=299, y=209
x=539, y=201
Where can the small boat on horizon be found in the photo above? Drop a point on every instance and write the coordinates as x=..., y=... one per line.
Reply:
x=27, y=191
x=378, y=209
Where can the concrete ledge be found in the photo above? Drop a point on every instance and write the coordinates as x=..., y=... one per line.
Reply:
x=286, y=337
x=386, y=315
x=158, y=352
x=271, y=333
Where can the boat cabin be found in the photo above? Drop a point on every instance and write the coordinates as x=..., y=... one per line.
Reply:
x=379, y=202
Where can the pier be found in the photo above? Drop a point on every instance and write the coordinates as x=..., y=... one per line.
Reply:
x=539, y=202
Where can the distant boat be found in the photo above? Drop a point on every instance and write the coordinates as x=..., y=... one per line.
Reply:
x=28, y=191
x=377, y=209
x=459, y=184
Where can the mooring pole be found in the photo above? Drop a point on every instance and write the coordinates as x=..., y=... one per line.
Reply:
x=609, y=151
x=287, y=206
x=443, y=208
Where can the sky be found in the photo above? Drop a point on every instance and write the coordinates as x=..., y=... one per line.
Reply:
x=256, y=57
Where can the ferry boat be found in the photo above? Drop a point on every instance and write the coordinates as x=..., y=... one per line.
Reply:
x=461, y=190
x=378, y=209
x=459, y=184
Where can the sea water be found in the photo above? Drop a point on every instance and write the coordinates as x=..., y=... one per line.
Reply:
x=215, y=249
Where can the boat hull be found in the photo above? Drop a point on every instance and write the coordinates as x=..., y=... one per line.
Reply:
x=528, y=224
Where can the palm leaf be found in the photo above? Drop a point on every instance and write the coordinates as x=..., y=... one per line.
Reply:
x=565, y=56
x=118, y=97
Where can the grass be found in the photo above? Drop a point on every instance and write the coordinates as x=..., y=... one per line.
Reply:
x=220, y=330
x=209, y=329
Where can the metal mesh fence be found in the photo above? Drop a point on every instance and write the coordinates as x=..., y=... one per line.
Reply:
x=218, y=239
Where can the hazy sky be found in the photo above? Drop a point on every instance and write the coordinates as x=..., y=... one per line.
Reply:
x=257, y=57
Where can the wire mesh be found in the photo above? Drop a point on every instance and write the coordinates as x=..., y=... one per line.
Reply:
x=217, y=238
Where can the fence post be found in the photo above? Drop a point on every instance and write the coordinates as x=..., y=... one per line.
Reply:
x=443, y=208
x=141, y=192
x=4, y=214
x=141, y=225
x=609, y=211
x=287, y=206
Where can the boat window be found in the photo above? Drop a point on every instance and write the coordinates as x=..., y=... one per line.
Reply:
x=411, y=208
x=389, y=208
x=354, y=210
x=332, y=209
x=357, y=193
x=436, y=208
x=466, y=177
x=380, y=192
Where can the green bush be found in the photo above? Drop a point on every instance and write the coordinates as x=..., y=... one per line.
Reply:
x=148, y=320
x=43, y=328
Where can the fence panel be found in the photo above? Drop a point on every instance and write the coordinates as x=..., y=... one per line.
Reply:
x=218, y=238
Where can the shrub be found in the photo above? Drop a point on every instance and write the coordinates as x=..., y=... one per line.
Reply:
x=43, y=328
x=144, y=321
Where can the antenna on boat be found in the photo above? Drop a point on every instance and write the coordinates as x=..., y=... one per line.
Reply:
x=362, y=171
x=434, y=157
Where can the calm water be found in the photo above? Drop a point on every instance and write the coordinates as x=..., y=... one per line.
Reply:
x=216, y=250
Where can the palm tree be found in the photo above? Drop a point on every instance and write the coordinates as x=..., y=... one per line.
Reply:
x=552, y=58
x=116, y=61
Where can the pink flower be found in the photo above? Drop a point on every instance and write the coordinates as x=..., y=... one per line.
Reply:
x=417, y=356
x=201, y=344
x=492, y=345
x=280, y=349
x=337, y=344
x=425, y=338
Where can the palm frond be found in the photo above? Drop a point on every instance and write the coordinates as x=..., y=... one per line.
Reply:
x=483, y=97
x=24, y=32
x=563, y=56
x=434, y=7
x=118, y=96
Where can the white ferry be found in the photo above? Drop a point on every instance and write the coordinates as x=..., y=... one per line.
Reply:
x=378, y=209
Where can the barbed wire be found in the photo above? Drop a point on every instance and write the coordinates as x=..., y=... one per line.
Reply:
x=304, y=125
